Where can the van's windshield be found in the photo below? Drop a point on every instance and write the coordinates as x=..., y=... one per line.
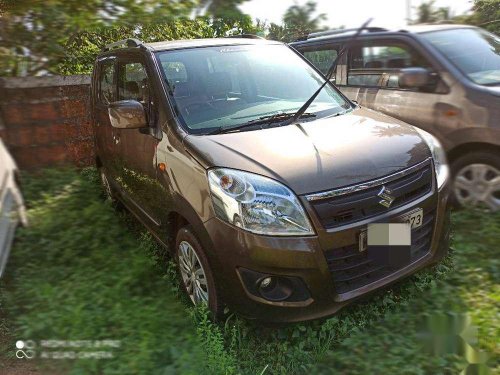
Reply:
x=474, y=51
x=225, y=86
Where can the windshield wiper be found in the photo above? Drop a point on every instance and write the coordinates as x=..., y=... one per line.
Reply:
x=331, y=70
x=264, y=120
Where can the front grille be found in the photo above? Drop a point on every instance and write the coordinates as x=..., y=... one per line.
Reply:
x=359, y=205
x=352, y=269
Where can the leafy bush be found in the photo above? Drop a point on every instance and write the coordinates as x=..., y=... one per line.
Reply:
x=82, y=48
x=76, y=274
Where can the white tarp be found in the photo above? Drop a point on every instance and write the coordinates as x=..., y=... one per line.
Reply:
x=12, y=210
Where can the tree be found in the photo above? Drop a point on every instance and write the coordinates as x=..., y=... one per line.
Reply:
x=223, y=8
x=301, y=18
x=297, y=22
x=428, y=13
x=486, y=14
x=279, y=32
x=33, y=33
x=82, y=48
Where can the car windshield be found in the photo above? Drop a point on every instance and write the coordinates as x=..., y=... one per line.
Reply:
x=226, y=86
x=474, y=51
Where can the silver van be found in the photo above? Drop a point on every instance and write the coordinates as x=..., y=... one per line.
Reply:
x=442, y=78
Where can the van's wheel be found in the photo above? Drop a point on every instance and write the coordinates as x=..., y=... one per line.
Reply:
x=196, y=274
x=476, y=180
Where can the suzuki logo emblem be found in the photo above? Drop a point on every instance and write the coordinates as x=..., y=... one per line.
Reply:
x=387, y=197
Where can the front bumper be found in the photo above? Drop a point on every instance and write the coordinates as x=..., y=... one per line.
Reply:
x=306, y=258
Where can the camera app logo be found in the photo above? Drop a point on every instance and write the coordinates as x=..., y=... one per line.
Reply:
x=25, y=349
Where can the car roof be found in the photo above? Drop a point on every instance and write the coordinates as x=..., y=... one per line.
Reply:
x=213, y=42
x=378, y=31
x=418, y=29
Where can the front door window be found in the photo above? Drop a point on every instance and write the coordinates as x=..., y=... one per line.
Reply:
x=377, y=64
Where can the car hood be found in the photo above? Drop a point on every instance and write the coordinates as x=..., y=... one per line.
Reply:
x=317, y=155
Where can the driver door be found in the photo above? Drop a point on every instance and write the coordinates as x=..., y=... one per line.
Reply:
x=373, y=71
x=137, y=153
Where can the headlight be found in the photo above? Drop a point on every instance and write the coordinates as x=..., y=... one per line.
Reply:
x=257, y=204
x=439, y=156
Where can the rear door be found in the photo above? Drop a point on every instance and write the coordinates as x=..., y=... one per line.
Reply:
x=138, y=170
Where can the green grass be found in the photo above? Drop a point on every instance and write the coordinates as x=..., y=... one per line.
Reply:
x=84, y=270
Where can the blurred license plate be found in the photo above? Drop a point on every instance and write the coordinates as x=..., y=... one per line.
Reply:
x=415, y=218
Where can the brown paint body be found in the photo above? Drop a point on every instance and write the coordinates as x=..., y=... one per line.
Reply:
x=308, y=158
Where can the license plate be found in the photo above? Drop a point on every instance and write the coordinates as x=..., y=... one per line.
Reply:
x=415, y=218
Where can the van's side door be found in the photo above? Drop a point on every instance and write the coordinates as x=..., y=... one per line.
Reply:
x=105, y=92
x=373, y=71
x=138, y=169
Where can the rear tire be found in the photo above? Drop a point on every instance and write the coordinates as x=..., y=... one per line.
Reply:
x=476, y=180
x=196, y=274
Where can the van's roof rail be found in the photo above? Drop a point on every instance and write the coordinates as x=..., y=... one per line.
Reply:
x=341, y=31
x=245, y=36
x=129, y=43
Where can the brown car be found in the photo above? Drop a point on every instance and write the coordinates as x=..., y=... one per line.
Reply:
x=280, y=220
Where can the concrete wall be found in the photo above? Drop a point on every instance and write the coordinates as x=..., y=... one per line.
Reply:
x=44, y=121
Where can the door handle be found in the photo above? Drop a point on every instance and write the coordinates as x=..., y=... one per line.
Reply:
x=116, y=138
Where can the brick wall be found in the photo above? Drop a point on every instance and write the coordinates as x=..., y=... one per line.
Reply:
x=44, y=121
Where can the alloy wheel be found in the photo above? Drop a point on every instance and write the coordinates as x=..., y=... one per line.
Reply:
x=193, y=274
x=478, y=185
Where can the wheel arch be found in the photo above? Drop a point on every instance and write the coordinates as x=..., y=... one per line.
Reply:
x=467, y=148
x=175, y=221
x=183, y=214
x=470, y=139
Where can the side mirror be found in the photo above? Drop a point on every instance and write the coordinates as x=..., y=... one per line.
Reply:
x=414, y=78
x=127, y=114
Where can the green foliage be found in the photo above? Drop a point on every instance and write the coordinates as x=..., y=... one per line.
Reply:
x=302, y=18
x=77, y=273
x=298, y=20
x=84, y=271
x=219, y=359
x=33, y=34
x=82, y=48
x=227, y=9
x=63, y=37
x=428, y=13
x=486, y=14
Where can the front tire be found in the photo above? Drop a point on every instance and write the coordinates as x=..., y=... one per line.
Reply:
x=195, y=271
x=476, y=180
